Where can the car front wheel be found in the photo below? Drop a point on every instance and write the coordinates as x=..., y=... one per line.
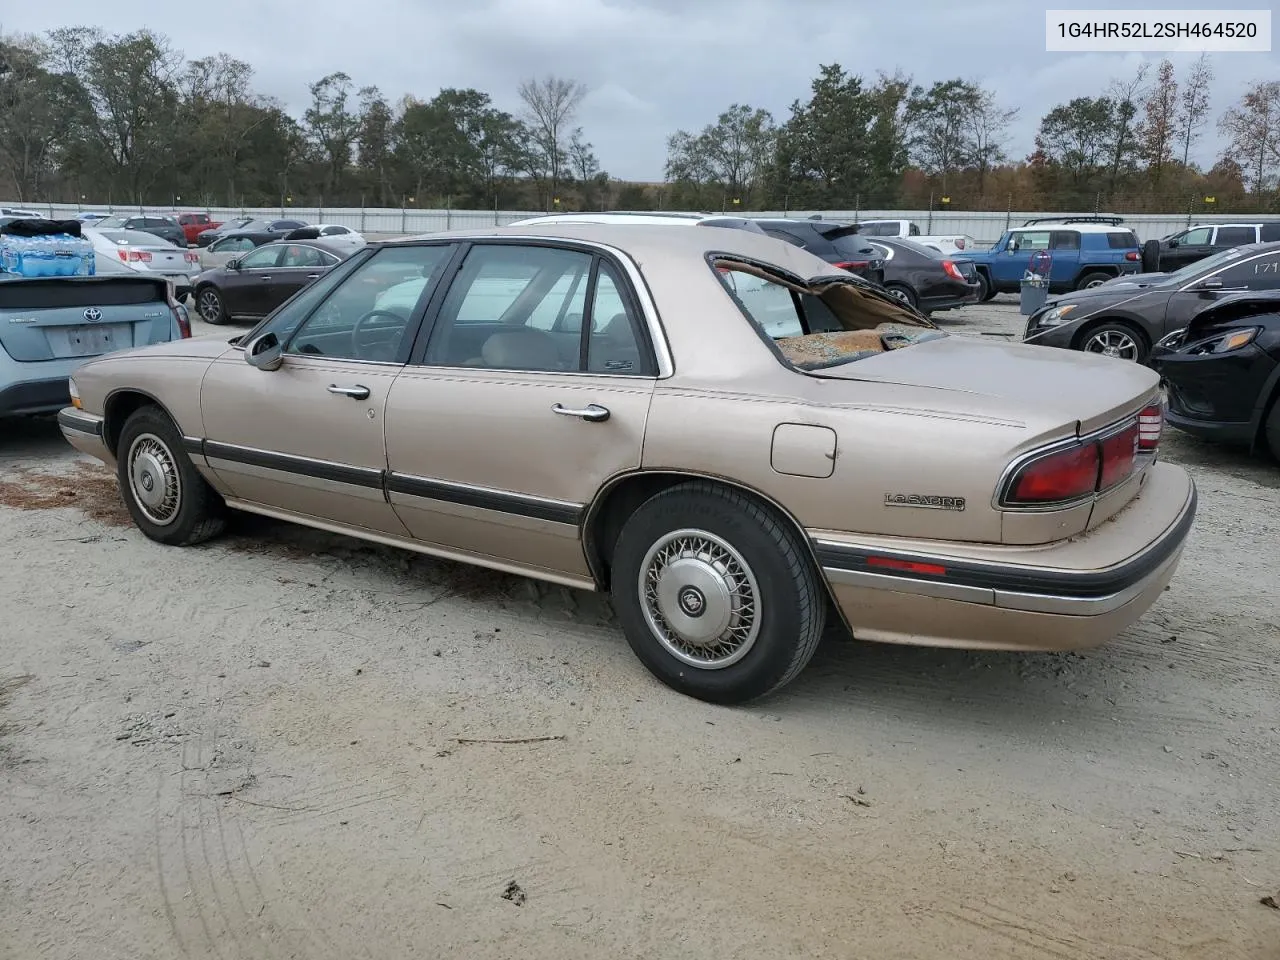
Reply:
x=210, y=306
x=716, y=594
x=1117, y=340
x=985, y=290
x=1095, y=279
x=166, y=496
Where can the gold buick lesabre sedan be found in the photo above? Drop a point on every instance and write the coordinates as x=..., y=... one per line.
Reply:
x=733, y=437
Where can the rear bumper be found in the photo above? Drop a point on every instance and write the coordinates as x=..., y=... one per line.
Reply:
x=963, y=295
x=1071, y=595
x=34, y=396
x=84, y=432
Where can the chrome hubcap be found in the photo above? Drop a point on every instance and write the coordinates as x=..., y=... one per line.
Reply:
x=700, y=599
x=1094, y=283
x=1113, y=343
x=899, y=295
x=210, y=307
x=154, y=480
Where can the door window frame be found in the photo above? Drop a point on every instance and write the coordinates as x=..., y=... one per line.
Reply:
x=640, y=323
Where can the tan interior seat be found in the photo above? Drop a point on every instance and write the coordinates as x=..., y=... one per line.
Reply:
x=521, y=349
x=614, y=350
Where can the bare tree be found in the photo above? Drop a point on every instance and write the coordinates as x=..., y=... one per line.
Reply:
x=1125, y=95
x=551, y=103
x=1193, y=110
x=1253, y=126
x=986, y=131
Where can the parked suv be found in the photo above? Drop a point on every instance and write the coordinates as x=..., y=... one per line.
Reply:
x=1203, y=240
x=1085, y=252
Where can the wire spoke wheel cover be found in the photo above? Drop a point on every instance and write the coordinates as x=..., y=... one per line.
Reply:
x=154, y=480
x=700, y=599
x=1113, y=343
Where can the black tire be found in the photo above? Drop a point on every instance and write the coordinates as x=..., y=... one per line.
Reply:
x=774, y=572
x=1093, y=279
x=904, y=293
x=151, y=446
x=1115, y=333
x=1271, y=430
x=210, y=306
x=985, y=290
x=1151, y=256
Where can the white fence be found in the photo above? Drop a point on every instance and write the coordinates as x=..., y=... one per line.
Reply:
x=983, y=227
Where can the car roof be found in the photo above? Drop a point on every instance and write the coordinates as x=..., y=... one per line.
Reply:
x=655, y=243
x=621, y=216
x=338, y=249
x=1078, y=227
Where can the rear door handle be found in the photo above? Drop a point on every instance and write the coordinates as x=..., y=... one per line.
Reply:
x=592, y=412
x=264, y=279
x=313, y=276
x=357, y=392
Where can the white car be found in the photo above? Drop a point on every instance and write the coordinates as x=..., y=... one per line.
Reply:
x=908, y=230
x=122, y=251
x=334, y=234
x=653, y=218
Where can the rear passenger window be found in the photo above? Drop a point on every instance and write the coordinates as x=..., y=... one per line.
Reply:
x=1270, y=232
x=1066, y=240
x=1122, y=240
x=614, y=345
x=782, y=235
x=1234, y=236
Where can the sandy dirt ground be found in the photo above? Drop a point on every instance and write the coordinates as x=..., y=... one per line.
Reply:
x=264, y=748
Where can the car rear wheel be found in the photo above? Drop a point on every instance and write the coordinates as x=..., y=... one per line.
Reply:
x=1117, y=340
x=166, y=496
x=1095, y=279
x=717, y=595
x=210, y=306
x=985, y=290
x=902, y=292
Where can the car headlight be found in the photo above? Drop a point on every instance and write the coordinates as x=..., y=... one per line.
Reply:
x=1056, y=316
x=1172, y=340
x=1225, y=343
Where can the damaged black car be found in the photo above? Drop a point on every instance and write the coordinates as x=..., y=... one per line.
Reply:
x=1221, y=372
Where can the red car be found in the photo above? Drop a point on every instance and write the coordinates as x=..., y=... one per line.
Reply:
x=193, y=224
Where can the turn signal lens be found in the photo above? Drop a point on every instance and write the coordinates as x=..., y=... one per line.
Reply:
x=1119, y=457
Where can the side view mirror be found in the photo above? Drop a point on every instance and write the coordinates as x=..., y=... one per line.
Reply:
x=1208, y=286
x=1174, y=242
x=264, y=352
x=233, y=263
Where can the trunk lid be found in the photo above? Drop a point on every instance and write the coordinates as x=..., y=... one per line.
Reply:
x=1020, y=381
x=73, y=317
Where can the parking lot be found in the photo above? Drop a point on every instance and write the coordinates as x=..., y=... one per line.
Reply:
x=291, y=744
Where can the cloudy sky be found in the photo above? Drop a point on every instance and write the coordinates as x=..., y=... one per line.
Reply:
x=652, y=66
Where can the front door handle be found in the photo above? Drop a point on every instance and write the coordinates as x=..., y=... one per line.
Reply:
x=357, y=392
x=264, y=279
x=313, y=276
x=592, y=412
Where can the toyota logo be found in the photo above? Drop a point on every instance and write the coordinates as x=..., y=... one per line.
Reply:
x=93, y=314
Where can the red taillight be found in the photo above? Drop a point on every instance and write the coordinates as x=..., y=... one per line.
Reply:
x=1150, y=425
x=192, y=257
x=1132, y=255
x=952, y=271
x=1119, y=456
x=852, y=264
x=1058, y=477
x=183, y=321
x=134, y=256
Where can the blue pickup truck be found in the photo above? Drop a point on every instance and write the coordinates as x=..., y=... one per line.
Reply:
x=50, y=325
x=1084, y=252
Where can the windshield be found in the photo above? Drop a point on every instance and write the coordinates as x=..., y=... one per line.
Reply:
x=132, y=238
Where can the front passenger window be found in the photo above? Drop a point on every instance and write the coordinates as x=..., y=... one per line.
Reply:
x=367, y=316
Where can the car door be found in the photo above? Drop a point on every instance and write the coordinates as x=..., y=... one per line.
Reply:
x=1008, y=266
x=307, y=438
x=299, y=265
x=530, y=394
x=1257, y=272
x=1192, y=245
x=1064, y=248
x=244, y=286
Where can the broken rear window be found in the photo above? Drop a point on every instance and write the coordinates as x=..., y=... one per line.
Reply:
x=821, y=322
